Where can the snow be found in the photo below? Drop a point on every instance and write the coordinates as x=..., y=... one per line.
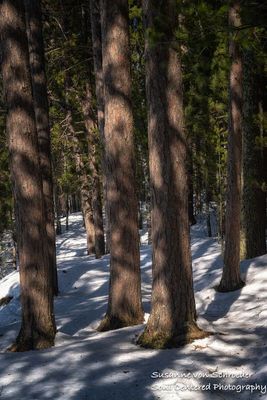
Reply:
x=85, y=364
x=6, y=253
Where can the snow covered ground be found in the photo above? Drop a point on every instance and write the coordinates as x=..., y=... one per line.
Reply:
x=87, y=365
x=6, y=254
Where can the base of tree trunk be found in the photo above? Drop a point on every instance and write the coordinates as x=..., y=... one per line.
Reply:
x=110, y=323
x=99, y=248
x=229, y=287
x=192, y=221
x=99, y=255
x=167, y=340
x=5, y=300
x=26, y=344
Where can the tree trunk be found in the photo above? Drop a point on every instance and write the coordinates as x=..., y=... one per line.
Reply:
x=67, y=208
x=172, y=321
x=98, y=216
x=208, y=222
x=98, y=69
x=149, y=227
x=75, y=203
x=220, y=205
x=38, y=325
x=140, y=216
x=58, y=210
x=231, y=279
x=253, y=242
x=37, y=65
x=86, y=191
x=86, y=200
x=91, y=130
x=198, y=173
x=124, y=306
x=208, y=200
x=191, y=213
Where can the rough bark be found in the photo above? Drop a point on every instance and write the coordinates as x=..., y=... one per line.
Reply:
x=124, y=306
x=99, y=84
x=38, y=325
x=39, y=87
x=253, y=241
x=231, y=278
x=172, y=321
x=92, y=137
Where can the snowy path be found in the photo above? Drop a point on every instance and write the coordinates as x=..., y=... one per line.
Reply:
x=86, y=364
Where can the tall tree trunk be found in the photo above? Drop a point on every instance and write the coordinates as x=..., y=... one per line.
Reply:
x=58, y=210
x=253, y=242
x=191, y=213
x=37, y=65
x=86, y=191
x=38, y=325
x=208, y=221
x=93, y=147
x=172, y=321
x=75, y=207
x=67, y=208
x=124, y=306
x=198, y=173
x=98, y=214
x=231, y=279
x=98, y=69
x=87, y=210
x=140, y=216
x=149, y=227
x=220, y=205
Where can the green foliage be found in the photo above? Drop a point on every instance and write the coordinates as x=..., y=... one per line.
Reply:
x=69, y=68
x=202, y=35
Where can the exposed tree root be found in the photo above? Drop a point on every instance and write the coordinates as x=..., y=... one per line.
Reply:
x=166, y=340
x=26, y=344
x=110, y=323
x=229, y=287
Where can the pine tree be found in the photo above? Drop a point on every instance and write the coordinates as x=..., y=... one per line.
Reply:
x=172, y=321
x=38, y=325
x=37, y=64
x=231, y=279
x=98, y=72
x=124, y=306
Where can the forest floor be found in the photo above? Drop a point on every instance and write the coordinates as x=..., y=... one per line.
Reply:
x=87, y=365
